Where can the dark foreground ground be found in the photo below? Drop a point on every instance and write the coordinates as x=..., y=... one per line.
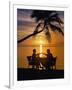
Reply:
x=30, y=74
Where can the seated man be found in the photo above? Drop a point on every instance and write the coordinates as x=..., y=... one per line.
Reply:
x=49, y=58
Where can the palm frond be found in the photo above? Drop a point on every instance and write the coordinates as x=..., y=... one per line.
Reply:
x=41, y=14
x=56, y=28
x=47, y=33
x=53, y=15
x=56, y=19
x=60, y=21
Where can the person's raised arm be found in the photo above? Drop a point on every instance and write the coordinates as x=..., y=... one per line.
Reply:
x=44, y=54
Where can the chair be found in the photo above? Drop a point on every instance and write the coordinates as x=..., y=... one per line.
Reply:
x=53, y=64
x=31, y=62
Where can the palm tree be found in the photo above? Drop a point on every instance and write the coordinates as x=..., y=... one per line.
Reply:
x=46, y=21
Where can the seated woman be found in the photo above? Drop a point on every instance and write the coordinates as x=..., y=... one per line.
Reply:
x=34, y=59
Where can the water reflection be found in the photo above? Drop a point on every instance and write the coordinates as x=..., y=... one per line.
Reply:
x=41, y=51
x=24, y=51
x=41, y=44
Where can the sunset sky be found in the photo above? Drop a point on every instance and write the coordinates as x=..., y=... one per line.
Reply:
x=25, y=26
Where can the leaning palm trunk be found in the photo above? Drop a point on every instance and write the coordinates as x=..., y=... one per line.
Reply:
x=25, y=38
x=48, y=17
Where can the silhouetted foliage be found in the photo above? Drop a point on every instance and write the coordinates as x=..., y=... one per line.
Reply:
x=46, y=19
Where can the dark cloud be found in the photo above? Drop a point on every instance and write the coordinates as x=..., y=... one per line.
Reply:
x=24, y=17
x=25, y=24
x=23, y=12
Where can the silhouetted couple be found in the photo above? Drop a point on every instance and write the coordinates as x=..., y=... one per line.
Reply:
x=48, y=55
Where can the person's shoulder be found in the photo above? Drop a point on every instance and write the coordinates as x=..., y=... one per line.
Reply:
x=32, y=54
x=51, y=54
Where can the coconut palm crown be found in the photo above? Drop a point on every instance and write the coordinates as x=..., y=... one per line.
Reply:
x=46, y=21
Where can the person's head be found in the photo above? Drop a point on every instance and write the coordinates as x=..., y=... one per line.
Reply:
x=34, y=51
x=48, y=51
